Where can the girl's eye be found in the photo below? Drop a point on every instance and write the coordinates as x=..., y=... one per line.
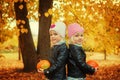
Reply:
x=51, y=34
x=81, y=35
x=55, y=34
x=76, y=35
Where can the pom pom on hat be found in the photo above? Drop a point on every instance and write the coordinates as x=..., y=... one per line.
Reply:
x=74, y=28
x=59, y=27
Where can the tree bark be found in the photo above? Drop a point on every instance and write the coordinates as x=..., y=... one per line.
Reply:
x=43, y=46
x=25, y=39
x=105, y=55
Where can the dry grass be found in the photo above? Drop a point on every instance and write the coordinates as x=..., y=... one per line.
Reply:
x=10, y=61
x=10, y=68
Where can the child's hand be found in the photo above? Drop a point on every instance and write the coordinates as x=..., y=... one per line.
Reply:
x=40, y=70
x=96, y=69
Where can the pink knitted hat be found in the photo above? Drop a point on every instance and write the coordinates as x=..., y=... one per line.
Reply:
x=74, y=28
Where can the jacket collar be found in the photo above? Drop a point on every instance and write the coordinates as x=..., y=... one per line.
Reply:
x=60, y=42
x=78, y=45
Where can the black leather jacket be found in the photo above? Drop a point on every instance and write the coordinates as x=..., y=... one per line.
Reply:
x=58, y=59
x=77, y=66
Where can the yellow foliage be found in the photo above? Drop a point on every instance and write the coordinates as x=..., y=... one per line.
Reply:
x=26, y=30
x=23, y=30
x=28, y=16
x=50, y=11
x=22, y=21
x=46, y=14
x=21, y=26
x=15, y=0
x=26, y=0
x=100, y=18
x=18, y=32
x=21, y=6
x=18, y=22
x=39, y=14
x=21, y=0
x=31, y=3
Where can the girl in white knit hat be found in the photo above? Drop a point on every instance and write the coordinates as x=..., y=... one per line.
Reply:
x=57, y=70
x=77, y=66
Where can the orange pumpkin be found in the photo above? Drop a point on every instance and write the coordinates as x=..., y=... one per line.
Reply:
x=93, y=63
x=43, y=64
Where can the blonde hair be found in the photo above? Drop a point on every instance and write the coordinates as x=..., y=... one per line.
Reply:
x=70, y=41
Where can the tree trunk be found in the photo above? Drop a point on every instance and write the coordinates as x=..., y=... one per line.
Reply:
x=19, y=52
x=25, y=39
x=1, y=28
x=1, y=23
x=43, y=46
x=105, y=55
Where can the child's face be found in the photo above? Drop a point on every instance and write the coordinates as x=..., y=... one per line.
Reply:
x=54, y=37
x=77, y=38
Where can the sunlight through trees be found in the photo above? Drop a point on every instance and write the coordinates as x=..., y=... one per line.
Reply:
x=100, y=18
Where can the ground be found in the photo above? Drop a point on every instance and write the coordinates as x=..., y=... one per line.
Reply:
x=11, y=68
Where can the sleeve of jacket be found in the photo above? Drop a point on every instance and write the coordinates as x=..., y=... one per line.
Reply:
x=79, y=59
x=61, y=60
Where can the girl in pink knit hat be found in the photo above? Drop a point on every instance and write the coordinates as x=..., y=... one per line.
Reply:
x=77, y=66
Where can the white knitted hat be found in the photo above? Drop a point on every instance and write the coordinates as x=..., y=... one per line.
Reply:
x=59, y=27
